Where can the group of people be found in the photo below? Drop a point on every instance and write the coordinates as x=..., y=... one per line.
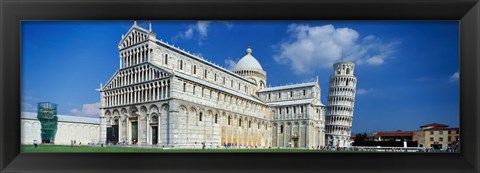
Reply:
x=74, y=142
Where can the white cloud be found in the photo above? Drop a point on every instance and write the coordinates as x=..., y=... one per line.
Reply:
x=376, y=60
x=230, y=63
x=90, y=110
x=308, y=48
x=202, y=28
x=361, y=91
x=199, y=31
x=228, y=24
x=188, y=33
x=454, y=77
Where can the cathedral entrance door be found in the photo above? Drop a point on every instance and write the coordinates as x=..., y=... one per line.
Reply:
x=112, y=134
x=295, y=140
x=154, y=134
x=134, y=132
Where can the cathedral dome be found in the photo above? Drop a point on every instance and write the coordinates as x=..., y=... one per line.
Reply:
x=248, y=62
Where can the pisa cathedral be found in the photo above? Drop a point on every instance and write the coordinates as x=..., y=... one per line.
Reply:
x=164, y=96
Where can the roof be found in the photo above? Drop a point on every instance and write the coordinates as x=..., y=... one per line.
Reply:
x=64, y=118
x=193, y=79
x=288, y=86
x=437, y=128
x=291, y=102
x=434, y=125
x=248, y=62
x=396, y=133
x=202, y=60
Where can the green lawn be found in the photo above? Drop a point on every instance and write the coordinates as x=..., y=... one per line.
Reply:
x=63, y=148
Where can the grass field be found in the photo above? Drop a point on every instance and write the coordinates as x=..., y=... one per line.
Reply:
x=90, y=149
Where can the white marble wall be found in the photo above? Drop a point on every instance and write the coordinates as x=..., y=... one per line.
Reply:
x=66, y=131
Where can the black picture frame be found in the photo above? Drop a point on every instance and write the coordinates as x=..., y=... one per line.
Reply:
x=466, y=11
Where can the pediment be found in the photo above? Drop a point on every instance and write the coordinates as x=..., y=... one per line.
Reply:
x=117, y=80
x=135, y=35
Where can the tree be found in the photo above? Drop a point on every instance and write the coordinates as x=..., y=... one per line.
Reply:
x=360, y=139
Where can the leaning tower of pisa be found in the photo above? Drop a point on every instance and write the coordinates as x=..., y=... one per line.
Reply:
x=341, y=99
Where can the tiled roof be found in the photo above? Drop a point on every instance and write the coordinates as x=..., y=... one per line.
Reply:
x=436, y=128
x=434, y=125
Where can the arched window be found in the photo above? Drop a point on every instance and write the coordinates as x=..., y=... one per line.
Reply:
x=216, y=118
x=249, y=124
x=291, y=93
x=240, y=122
x=194, y=69
x=115, y=122
x=166, y=59
x=348, y=70
x=184, y=87
x=154, y=119
x=205, y=74
x=229, y=118
x=281, y=129
x=200, y=116
x=181, y=64
x=193, y=90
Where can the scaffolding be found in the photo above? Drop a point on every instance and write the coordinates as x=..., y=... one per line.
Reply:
x=47, y=115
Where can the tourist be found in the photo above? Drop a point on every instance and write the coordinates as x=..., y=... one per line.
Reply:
x=34, y=143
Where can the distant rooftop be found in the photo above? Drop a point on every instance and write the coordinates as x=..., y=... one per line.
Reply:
x=434, y=125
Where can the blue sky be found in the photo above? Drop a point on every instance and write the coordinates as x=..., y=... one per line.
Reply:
x=407, y=71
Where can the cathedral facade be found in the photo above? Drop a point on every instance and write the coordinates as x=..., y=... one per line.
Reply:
x=164, y=96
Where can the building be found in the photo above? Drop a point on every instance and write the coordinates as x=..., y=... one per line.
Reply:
x=162, y=95
x=83, y=130
x=341, y=100
x=436, y=135
x=398, y=136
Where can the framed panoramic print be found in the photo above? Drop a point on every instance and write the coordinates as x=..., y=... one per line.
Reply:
x=240, y=86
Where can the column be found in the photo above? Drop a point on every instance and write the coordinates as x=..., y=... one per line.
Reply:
x=167, y=94
x=135, y=95
x=159, y=96
x=307, y=135
x=103, y=128
x=143, y=128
